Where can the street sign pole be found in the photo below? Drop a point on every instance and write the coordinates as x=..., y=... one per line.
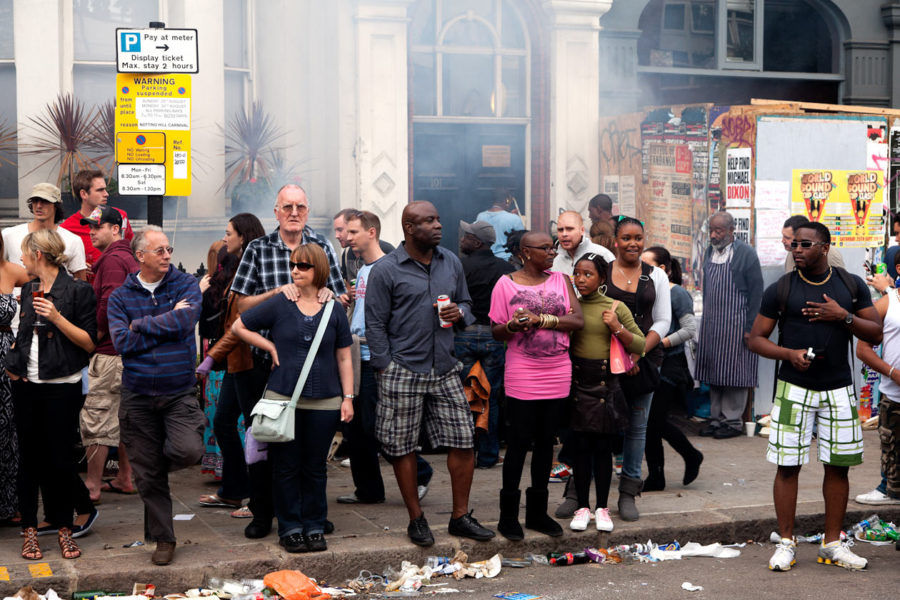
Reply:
x=155, y=203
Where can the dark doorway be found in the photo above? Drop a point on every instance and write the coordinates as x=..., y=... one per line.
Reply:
x=457, y=167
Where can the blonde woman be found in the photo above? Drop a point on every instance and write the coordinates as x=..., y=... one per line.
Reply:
x=57, y=333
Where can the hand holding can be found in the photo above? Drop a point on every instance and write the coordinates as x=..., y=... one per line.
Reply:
x=442, y=301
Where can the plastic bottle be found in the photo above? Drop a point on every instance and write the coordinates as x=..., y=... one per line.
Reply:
x=860, y=528
x=890, y=530
x=436, y=561
x=538, y=559
x=568, y=558
x=229, y=586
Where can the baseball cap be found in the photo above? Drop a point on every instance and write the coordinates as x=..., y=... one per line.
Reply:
x=46, y=191
x=483, y=230
x=101, y=215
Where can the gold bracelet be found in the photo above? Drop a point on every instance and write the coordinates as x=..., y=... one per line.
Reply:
x=891, y=373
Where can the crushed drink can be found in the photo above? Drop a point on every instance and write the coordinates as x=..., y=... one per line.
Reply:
x=442, y=301
x=881, y=268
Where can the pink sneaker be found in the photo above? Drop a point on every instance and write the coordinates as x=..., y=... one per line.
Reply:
x=603, y=520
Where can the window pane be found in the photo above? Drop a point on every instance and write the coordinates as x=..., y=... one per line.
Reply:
x=513, y=36
x=94, y=84
x=514, y=87
x=673, y=17
x=739, y=26
x=421, y=29
x=468, y=85
x=796, y=38
x=235, y=33
x=95, y=23
x=678, y=34
x=235, y=93
x=469, y=33
x=6, y=29
x=482, y=8
x=8, y=173
x=423, y=84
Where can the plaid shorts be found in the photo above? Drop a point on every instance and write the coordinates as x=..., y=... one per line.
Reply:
x=833, y=412
x=405, y=397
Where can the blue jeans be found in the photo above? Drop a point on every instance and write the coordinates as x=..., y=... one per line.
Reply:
x=235, y=480
x=299, y=473
x=636, y=435
x=472, y=346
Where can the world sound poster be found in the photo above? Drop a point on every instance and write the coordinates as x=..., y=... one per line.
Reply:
x=849, y=203
x=669, y=213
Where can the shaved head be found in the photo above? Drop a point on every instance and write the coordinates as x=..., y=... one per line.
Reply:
x=415, y=209
x=571, y=217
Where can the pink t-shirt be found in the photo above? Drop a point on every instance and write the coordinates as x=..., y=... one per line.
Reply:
x=537, y=361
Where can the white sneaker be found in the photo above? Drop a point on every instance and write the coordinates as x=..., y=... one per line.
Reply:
x=783, y=559
x=581, y=520
x=603, y=520
x=876, y=496
x=345, y=463
x=838, y=553
x=421, y=491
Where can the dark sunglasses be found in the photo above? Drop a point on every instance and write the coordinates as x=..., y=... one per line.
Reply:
x=805, y=244
x=301, y=266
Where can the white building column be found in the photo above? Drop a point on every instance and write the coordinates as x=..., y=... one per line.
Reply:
x=574, y=102
x=382, y=139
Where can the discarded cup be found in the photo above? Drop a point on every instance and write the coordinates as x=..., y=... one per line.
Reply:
x=750, y=428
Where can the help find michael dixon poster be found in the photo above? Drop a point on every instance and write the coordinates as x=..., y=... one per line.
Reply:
x=849, y=203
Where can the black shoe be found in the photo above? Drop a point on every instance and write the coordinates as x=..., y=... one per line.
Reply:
x=329, y=527
x=466, y=526
x=295, y=542
x=710, y=430
x=258, y=529
x=419, y=533
x=692, y=467
x=80, y=530
x=354, y=499
x=724, y=432
x=315, y=542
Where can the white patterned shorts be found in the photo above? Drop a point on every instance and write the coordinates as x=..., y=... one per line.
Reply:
x=834, y=415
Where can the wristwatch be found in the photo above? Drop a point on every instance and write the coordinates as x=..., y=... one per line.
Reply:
x=349, y=396
x=848, y=320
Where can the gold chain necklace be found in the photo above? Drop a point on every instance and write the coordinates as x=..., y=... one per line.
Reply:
x=823, y=282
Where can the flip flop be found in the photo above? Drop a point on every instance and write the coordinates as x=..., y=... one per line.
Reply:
x=109, y=487
x=242, y=513
x=216, y=500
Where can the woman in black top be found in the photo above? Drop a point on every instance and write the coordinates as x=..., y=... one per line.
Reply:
x=298, y=466
x=57, y=333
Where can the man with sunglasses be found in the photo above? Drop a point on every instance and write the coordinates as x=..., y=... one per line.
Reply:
x=732, y=288
x=818, y=320
x=264, y=271
x=152, y=317
x=835, y=259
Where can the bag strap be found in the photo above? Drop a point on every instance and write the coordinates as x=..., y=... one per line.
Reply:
x=311, y=355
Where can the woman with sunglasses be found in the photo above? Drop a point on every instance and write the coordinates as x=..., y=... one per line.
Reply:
x=675, y=380
x=644, y=289
x=533, y=310
x=298, y=466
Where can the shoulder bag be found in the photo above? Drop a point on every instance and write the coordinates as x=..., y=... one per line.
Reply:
x=273, y=420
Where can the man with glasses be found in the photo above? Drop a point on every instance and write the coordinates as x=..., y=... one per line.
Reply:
x=152, y=317
x=835, y=259
x=573, y=243
x=819, y=308
x=264, y=271
x=732, y=289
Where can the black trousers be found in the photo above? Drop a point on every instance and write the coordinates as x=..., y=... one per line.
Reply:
x=530, y=422
x=660, y=427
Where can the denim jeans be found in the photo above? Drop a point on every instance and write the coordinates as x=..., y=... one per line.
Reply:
x=235, y=480
x=299, y=473
x=636, y=435
x=473, y=345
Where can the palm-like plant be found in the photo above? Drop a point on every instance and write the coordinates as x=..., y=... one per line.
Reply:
x=251, y=139
x=102, y=136
x=61, y=134
x=8, y=139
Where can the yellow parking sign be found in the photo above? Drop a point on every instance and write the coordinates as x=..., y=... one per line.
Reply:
x=153, y=111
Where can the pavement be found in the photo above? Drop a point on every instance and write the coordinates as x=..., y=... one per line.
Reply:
x=730, y=501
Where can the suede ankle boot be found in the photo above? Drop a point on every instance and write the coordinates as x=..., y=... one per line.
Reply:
x=509, y=526
x=536, y=516
x=628, y=489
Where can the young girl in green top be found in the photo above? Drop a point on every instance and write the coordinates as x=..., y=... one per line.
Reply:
x=600, y=412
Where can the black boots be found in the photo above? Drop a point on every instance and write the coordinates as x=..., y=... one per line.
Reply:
x=536, y=516
x=656, y=480
x=509, y=515
x=692, y=467
x=628, y=489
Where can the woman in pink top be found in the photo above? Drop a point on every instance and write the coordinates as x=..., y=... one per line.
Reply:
x=533, y=310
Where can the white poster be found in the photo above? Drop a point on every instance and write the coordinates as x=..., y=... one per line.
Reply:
x=737, y=177
x=627, y=197
x=741, y=223
x=769, y=223
x=774, y=195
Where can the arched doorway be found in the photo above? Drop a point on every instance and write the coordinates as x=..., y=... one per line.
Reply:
x=471, y=108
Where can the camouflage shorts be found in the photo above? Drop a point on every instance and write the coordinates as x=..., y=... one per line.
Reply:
x=889, y=431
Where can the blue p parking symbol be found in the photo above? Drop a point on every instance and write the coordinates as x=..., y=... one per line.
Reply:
x=130, y=41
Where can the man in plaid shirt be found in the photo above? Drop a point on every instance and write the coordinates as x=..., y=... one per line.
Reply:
x=265, y=272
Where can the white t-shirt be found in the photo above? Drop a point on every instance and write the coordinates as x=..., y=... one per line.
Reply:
x=33, y=367
x=12, y=247
x=150, y=287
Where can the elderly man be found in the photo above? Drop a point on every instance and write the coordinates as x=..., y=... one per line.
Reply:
x=152, y=317
x=264, y=272
x=732, y=290
x=418, y=376
x=574, y=243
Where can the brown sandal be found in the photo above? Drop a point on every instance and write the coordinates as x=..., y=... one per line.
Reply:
x=30, y=548
x=68, y=546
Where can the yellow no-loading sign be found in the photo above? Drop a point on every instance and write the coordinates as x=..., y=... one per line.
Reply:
x=153, y=127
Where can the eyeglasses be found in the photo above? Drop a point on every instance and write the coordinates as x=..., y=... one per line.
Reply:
x=161, y=250
x=547, y=249
x=805, y=244
x=289, y=209
x=301, y=266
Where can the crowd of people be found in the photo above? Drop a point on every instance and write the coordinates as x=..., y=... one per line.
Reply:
x=579, y=340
